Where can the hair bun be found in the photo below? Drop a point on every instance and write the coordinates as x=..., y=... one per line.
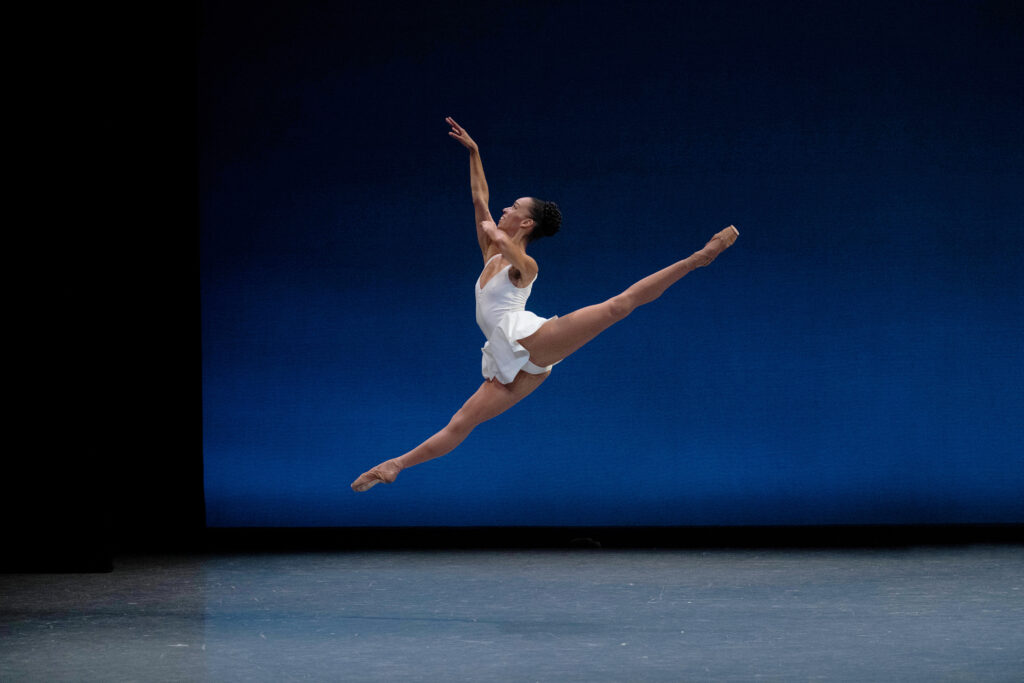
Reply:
x=547, y=217
x=552, y=218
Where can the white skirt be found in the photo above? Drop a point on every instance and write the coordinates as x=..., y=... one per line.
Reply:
x=503, y=355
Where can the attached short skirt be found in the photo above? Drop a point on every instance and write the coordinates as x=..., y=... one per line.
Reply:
x=503, y=355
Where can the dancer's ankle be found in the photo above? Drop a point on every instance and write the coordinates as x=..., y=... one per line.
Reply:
x=716, y=245
x=701, y=258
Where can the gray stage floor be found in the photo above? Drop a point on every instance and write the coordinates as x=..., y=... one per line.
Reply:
x=924, y=614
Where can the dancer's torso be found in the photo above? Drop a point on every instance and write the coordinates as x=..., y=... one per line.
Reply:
x=498, y=297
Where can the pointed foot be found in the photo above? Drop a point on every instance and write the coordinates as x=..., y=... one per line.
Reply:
x=716, y=245
x=384, y=473
x=727, y=237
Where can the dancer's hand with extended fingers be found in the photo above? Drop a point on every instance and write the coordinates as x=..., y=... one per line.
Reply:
x=460, y=134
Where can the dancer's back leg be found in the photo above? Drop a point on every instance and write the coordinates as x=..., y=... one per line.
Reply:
x=490, y=400
x=560, y=337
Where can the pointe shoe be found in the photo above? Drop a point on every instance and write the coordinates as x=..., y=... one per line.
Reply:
x=717, y=244
x=384, y=473
x=727, y=236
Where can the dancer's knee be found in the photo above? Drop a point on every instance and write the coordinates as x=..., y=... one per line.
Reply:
x=620, y=306
x=461, y=425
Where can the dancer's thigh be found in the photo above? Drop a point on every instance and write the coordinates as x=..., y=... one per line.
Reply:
x=493, y=398
x=558, y=338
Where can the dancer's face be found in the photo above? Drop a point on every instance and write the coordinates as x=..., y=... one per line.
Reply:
x=516, y=216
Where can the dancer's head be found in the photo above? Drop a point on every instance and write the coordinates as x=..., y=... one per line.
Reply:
x=546, y=217
x=536, y=216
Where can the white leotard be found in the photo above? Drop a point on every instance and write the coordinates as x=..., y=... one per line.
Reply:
x=502, y=316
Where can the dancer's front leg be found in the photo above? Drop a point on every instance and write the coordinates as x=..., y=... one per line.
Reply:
x=490, y=400
x=559, y=337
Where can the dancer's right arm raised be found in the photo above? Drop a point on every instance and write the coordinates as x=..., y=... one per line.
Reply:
x=477, y=181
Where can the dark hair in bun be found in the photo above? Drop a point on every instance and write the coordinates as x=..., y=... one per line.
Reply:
x=546, y=217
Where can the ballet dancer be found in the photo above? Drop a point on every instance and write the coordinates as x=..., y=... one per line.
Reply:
x=522, y=347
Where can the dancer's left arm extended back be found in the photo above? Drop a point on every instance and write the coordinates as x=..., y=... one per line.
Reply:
x=512, y=250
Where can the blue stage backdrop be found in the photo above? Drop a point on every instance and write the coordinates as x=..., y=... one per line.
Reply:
x=855, y=358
